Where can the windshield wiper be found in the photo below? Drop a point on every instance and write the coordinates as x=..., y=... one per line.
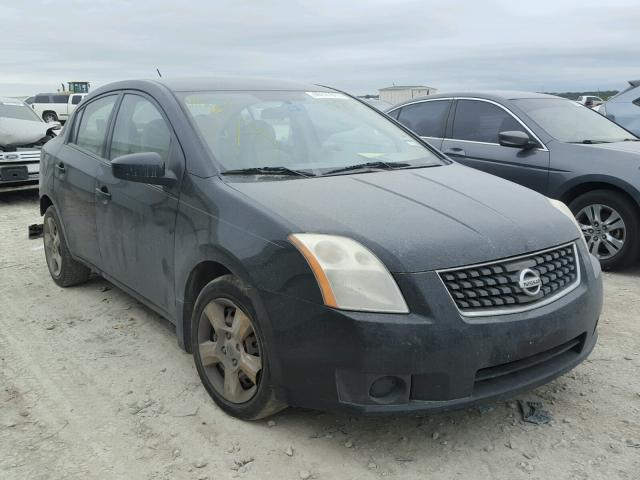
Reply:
x=591, y=142
x=370, y=166
x=267, y=171
x=631, y=140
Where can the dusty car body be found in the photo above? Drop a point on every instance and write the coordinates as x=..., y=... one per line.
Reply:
x=22, y=135
x=312, y=252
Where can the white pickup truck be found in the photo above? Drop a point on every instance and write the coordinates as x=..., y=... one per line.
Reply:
x=53, y=107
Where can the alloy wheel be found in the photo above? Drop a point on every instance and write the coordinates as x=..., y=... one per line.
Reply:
x=603, y=229
x=229, y=350
x=52, y=246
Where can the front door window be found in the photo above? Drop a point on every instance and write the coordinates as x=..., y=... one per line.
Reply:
x=477, y=121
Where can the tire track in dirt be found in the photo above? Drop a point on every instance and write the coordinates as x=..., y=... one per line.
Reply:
x=65, y=405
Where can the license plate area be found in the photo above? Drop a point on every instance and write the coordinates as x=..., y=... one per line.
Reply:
x=14, y=174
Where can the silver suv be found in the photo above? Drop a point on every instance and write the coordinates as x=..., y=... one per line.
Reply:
x=624, y=108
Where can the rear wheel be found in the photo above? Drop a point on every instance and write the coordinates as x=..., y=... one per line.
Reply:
x=229, y=351
x=64, y=270
x=609, y=222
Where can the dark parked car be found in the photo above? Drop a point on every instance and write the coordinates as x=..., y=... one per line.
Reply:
x=624, y=108
x=551, y=145
x=312, y=252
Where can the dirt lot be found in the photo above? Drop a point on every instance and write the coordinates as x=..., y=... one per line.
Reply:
x=94, y=386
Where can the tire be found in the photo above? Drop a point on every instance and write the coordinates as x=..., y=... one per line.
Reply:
x=606, y=205
x=64, y=270
x=50, y=117
x=224, y=306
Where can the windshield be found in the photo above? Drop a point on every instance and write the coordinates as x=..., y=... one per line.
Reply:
x=568, y=122
x=17, y=110
x=313, y=132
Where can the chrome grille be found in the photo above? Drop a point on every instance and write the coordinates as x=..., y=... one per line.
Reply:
x=495, y=288
x=20, y=156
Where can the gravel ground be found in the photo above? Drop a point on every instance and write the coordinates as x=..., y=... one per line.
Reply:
x=94, y=386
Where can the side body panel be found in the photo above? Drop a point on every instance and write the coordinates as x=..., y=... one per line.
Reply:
x=74, y=174
x=525, y=167
x=218, y=224
x=136, y=235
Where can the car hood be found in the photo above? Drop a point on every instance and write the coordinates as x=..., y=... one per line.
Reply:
x=419, y=219
x=627, y=147
x=14, y=132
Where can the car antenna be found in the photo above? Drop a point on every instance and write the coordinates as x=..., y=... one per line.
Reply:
x=158, y=70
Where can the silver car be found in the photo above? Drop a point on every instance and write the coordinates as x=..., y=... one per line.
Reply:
x=624, y=108
x=22, y=134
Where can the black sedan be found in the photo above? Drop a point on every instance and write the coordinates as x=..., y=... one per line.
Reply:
x=312, y=252
x=552, y=145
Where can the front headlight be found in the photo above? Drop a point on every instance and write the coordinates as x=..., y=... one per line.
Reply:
x=564, y=209
x=349, y=275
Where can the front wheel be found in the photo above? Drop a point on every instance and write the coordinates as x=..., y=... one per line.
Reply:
x=229, y=351
x=609, y=222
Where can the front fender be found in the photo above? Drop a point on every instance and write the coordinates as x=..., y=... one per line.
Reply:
x=598, y=181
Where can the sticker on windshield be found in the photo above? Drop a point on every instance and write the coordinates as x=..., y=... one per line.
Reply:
x=325, y=95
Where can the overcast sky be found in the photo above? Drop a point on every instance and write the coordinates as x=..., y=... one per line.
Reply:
x=549, y=45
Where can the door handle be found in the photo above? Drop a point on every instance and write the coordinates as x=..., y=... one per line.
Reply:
x=455, y=151
x=60, y=167
x=103, y=192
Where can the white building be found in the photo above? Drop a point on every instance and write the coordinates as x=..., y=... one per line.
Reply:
x=397, y=94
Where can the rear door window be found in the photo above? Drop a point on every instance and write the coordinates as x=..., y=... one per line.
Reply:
x=60, y=99
x=478, y=121
x=427, y=119
x=93, y=125
x=139, y=127
x=76, y=125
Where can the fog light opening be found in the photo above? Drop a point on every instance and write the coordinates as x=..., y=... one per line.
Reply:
x=387, y=389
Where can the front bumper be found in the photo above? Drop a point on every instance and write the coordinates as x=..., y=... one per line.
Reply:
x=437, y=359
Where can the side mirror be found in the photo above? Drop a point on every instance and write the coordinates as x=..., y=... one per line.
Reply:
x=516, y=139
x=144, y=167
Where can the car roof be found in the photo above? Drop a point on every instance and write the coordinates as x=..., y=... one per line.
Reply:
x=495, y=95
x=217, y=83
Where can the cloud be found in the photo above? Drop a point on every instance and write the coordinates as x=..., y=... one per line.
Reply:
x=358, y=46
